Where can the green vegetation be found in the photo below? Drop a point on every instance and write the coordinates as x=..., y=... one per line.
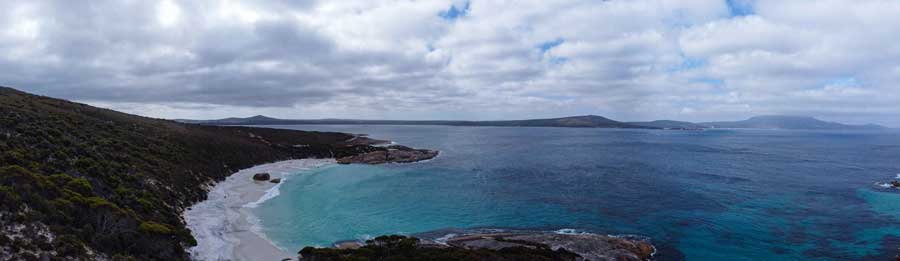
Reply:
x=155, y=228
x=407, y=248
x=116, y=184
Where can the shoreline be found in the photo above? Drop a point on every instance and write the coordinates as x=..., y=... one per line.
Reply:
x=222, y=223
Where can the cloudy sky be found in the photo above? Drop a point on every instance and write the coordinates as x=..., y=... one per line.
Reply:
x=481, y=59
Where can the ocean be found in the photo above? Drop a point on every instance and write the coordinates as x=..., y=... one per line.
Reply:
x=699, y=195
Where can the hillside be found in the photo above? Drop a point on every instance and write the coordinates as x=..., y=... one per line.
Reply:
x=587, y=121
x=787, y=122
x=89, y=183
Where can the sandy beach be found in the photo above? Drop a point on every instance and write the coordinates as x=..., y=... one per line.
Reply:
x=223, y=225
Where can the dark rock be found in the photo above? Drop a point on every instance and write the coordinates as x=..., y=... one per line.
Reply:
x=491, y=246
x=392, y=153
x=895, y=184
x=275, y=180
x=588, y=246
x=364, y=139
x=399, y=147
x=261, y=176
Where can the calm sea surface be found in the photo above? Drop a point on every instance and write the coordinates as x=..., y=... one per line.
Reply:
x=700, y=195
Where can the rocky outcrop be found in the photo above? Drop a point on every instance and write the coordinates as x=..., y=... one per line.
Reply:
x=388, y=154
x=587, y=246
x=261, y=176
x=275, y=180
x=505, y=245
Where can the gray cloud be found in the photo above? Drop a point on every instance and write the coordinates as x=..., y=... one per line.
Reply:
x=688, y=60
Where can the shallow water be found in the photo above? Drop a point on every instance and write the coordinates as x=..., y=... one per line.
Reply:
x=717, y=194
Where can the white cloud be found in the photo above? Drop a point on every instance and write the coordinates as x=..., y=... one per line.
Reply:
x=643, y=59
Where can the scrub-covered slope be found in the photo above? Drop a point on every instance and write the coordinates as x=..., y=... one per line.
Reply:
x=81, y=181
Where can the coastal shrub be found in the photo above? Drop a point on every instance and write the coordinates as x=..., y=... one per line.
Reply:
x=156, y=228
x=185, y=235
x=8, y=198
x=60, y=179
x=14, y=157
x=68, y=245
x=80, y=185
x=97, y=202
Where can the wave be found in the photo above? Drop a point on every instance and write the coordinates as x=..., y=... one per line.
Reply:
x=215, y=222
x=570, y=231
x=270, y=194
x=276, y=190
x=443, y=239
x=256, y=225
x=435, y=157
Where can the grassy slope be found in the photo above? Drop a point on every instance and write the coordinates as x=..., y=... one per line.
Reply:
x=115, y=184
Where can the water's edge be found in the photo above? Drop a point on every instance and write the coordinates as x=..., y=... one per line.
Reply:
x=224, y=226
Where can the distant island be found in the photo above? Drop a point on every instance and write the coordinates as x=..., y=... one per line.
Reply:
x=586, y=121
x=788, y=123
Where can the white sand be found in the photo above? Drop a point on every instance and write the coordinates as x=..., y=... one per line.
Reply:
x=222, y=223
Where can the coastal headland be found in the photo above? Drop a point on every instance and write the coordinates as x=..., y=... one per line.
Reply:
x=92, y=183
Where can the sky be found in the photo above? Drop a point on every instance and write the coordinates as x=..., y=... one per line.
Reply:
x=694, y=60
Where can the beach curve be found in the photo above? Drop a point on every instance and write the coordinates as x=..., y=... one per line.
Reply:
x=223, y=224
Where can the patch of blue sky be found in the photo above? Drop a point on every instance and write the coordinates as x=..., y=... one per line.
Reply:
x=740, y=7
x=546, y=46
x=455, y=12
x=688, y=63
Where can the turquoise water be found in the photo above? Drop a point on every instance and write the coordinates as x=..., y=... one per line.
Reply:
x=700, y=195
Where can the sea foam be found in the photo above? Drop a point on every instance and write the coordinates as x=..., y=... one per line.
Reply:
x=270, y=194
x=286, y=172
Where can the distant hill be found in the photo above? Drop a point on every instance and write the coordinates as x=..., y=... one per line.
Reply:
x=787, y=122
x=668, y=124
x=587, y=121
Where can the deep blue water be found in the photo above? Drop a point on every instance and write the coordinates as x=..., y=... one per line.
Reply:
x=709, y=195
